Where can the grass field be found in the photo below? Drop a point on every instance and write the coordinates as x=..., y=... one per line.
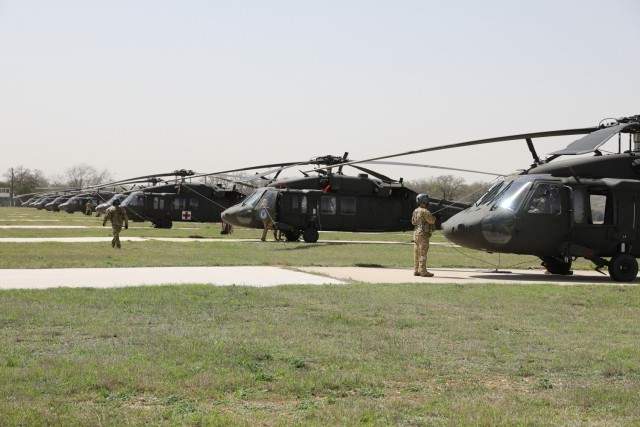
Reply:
x=361, y=354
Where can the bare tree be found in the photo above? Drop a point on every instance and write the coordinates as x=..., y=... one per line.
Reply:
x=25, y=180
x=448, y=187
x=82, y=175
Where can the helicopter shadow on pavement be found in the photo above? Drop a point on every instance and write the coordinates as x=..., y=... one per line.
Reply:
x=581, y=278
x=305, y=246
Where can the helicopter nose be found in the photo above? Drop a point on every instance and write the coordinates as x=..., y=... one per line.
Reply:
x=465, y=229
x=461, y=232
x=480, y=230
x=233, y=216
x=225, y=216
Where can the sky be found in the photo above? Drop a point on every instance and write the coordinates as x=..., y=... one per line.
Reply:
x=140, y=87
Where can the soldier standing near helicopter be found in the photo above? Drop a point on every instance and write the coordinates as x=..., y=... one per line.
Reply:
x=117, y=216
x=425, y=224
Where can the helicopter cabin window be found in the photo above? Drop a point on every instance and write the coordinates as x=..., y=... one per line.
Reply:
x=158, y=202
x=193, y=203
x=179, y=203
x=579, y=214
x=303, y=205
x=599, y=209
x=328, y=205
x=348, y=206
x=544, y=200
x=294, y=202
x=513, y=197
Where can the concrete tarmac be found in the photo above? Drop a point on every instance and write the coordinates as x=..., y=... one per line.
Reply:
x=146, y=276
x=275, y=276
x=269, y=276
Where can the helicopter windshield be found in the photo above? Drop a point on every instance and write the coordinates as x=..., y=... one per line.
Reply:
x=253, y=198
x=491, y=194
x=514, y=195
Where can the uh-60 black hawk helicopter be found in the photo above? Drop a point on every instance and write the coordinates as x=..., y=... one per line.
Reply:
x=588, y=206
x=332, y=201
x=179, y=200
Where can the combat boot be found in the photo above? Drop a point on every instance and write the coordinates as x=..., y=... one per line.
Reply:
x=426, y=274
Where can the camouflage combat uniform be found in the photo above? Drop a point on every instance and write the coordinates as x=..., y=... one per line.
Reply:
x=425, y=224
x=269, y=225
x=118, y=216
x=88, y=208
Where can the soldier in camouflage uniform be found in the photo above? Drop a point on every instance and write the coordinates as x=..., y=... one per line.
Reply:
x=269, y=225
x=117, y=216
x=88, y=208
x=425, y=224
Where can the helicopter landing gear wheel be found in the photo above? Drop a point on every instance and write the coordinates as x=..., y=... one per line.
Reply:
x=623, y=268
x=167, y=223
x=310, y=235
x=557, y=265
x=292, y=236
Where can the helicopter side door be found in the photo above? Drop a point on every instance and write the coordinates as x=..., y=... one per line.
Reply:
x=593, y=220
x=328, y=213
x=542, y=221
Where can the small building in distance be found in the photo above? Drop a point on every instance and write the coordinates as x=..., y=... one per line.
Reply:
x=5, y=197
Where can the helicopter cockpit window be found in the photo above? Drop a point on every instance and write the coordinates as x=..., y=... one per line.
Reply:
x=135, y=199
x=253, y=198
x=513, y=196
x=268, y=200
x=328, y=205
x=348, y=206
x=545, y=200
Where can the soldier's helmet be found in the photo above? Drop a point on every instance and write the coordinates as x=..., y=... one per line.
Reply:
x=422, y=198
x=116, y=202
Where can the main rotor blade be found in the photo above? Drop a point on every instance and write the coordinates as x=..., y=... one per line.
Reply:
x=434, y=167
x=375, y=174
x=565, y=132
x=593, y=141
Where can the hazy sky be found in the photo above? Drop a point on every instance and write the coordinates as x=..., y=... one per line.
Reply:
x=146, y=86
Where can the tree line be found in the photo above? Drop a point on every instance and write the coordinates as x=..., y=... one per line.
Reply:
x=450, y=188
x=22, y=180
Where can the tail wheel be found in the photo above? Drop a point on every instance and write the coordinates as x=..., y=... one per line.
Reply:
x=623, y=268
x=557, y=265
x=310, y=235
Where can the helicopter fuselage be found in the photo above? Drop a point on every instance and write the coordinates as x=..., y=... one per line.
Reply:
x=180, y=202
x=588, y=207
x=304, y=206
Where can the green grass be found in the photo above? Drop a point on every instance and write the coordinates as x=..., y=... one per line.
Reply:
x=360, y=354
x=331, y=355
x=158, y=253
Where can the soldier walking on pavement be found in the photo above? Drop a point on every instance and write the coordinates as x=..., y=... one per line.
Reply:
x=425, y=224
x=117, y=216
